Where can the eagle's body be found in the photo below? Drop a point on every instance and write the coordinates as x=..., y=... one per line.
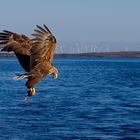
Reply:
x=34, y=55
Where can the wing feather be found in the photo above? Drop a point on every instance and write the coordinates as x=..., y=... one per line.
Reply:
x=43, y=30
x=43, y=47
x=47, y=29
x=19, y=44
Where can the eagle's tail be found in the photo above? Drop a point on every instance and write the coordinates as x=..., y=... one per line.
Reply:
x=22, y=76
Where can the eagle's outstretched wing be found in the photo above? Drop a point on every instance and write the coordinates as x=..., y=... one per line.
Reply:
x=43, y=47
x=19, y=44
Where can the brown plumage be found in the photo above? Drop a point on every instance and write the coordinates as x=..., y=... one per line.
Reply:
x=34, y=55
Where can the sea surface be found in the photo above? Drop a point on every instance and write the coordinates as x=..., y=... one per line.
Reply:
x=93, y=99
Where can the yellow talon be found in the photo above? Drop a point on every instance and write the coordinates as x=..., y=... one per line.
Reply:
x=31, y=92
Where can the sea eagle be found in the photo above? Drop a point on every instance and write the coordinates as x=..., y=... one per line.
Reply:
x=34, y=55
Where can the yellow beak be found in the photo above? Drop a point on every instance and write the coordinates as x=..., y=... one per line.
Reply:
x=55, y=75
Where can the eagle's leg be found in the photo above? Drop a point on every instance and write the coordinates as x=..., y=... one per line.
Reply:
x=31, y=82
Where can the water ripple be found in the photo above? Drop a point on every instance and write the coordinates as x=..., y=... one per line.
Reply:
x=92, y=99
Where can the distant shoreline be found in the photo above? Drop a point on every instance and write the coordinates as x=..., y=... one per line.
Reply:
x=94, y=54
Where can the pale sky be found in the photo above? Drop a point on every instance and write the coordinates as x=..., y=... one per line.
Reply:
x=74, y=20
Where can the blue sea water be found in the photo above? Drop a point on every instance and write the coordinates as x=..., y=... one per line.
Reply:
x=97, y=99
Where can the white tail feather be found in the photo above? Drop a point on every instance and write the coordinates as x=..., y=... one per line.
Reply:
x=21, y=76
